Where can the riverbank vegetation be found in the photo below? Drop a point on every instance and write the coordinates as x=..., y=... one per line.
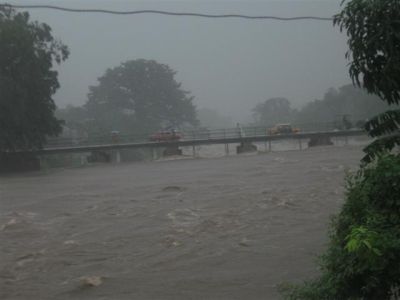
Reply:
x=362, y=260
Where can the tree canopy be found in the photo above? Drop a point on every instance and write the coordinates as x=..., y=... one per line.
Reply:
x=27, y=81
x=373, y=27
x=272, y=111
x=336, y=103
x=139, y=96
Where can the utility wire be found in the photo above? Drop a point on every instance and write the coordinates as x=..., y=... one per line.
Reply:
x=168, y=13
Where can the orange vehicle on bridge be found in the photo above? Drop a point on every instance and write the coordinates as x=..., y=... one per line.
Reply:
x=166, y=136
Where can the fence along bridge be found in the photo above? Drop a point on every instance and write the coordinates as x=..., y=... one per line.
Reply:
x=241, y=136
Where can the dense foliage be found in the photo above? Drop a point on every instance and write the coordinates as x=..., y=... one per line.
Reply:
x=373, y=28
x=347, y=101
x=27, y=81
x=138, y=96
x=363, y=258
x=273, y=111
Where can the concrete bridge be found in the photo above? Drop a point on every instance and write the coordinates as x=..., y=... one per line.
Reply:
x=226, y=137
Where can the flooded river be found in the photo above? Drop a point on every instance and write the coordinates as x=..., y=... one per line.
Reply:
x=210, y=228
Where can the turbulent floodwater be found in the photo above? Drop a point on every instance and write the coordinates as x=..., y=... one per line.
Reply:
x=218, y=150
x=215, y=228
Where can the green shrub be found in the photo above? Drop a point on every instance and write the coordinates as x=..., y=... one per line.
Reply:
x=363, y=258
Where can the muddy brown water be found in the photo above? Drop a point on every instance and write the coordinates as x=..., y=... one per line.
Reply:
x=215, y=228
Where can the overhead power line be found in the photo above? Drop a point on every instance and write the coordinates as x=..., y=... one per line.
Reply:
x=168, y=13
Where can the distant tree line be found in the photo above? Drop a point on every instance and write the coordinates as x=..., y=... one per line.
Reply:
x=345, y=104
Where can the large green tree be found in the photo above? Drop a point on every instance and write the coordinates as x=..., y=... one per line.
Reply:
x=272, y=111
x=139, y=96
x=27, y=81
x=373, y=30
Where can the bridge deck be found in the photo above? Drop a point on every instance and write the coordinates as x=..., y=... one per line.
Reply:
x=196, y=141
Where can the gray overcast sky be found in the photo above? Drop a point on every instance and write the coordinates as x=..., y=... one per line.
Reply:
x=227, y=64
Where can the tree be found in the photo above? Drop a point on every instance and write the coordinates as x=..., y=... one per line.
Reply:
x=363, y=260
x=272, y=111
x=346, y=100
x=27, y=81
x=374, y=52
x=139, y=96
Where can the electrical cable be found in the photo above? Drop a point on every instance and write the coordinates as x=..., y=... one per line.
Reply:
x=168, y=13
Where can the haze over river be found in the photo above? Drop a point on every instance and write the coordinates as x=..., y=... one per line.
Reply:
x=211, y=228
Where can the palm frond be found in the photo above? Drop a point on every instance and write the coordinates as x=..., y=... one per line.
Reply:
x=384, y=123
x=381, y=146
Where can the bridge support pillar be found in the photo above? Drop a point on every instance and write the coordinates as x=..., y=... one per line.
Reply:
x=83, y=159
x=246, y=147
x=194, y=151
x=267, y=146
x=300, y=144
x=99, y=156
x=320, y=140
x=154, y=153
x=118, y=156
x=172, y=150
x=226, y=149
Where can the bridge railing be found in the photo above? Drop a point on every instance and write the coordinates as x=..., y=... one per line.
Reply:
x=251, y=131
x=196, y=134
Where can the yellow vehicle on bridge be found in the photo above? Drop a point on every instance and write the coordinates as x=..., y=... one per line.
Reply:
x=283, y=129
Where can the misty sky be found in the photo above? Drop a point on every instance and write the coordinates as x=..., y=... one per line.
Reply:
x=228, y=64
